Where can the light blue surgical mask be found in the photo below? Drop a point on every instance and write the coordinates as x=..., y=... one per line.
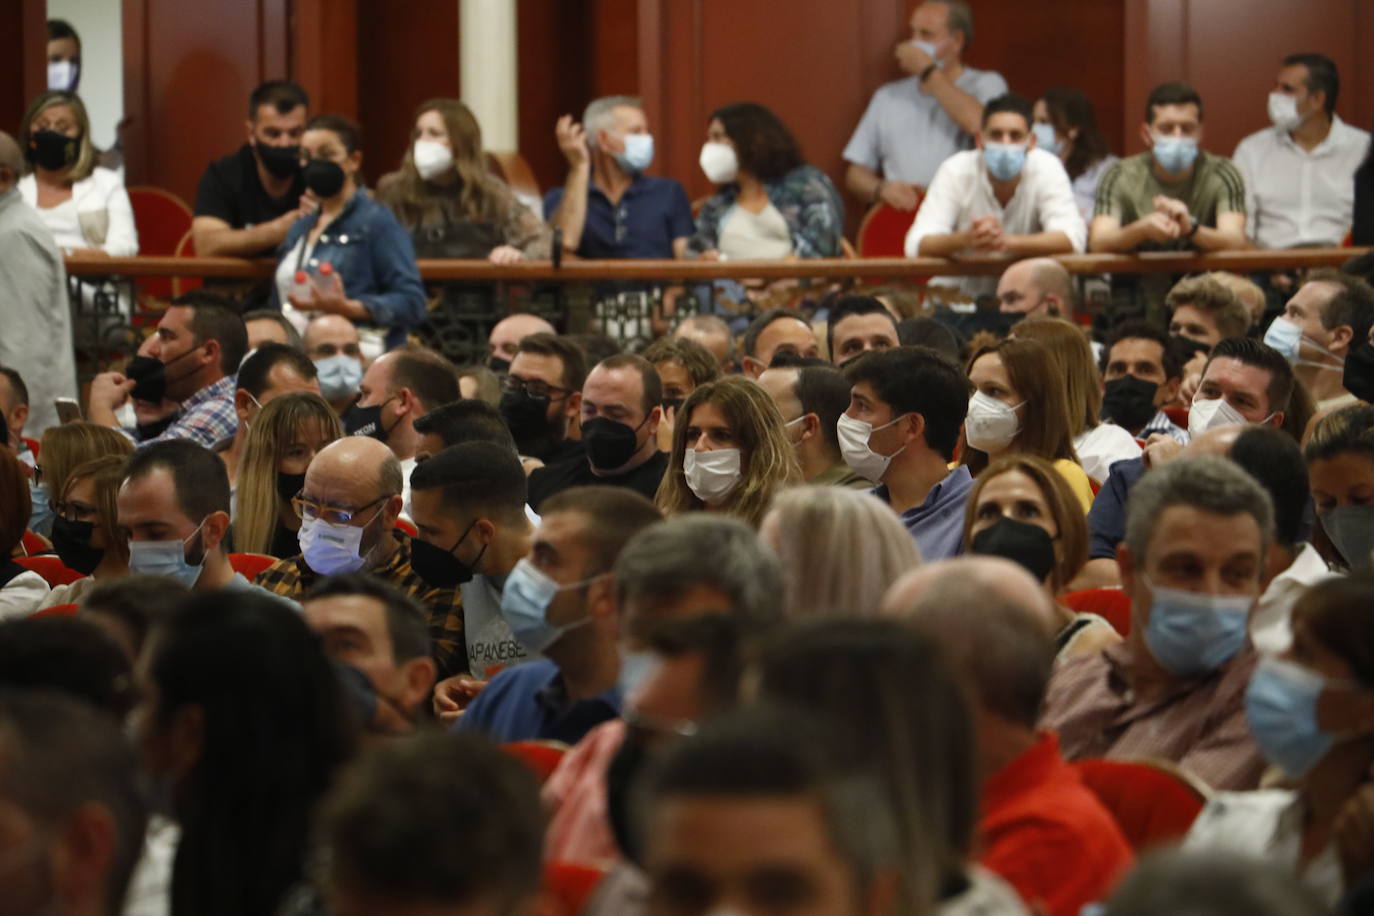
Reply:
x=1175, y=154
x=1193, y=633
x=525, y=601
x=1284, y=336
x=1351, y=529
x=1004, y=160
x=166, y=559
x=340, y=375
x=1046, y=139
x=1281, y=707
x=638, y=155
x=928, y=47
x=41, y=514
x=635, y=669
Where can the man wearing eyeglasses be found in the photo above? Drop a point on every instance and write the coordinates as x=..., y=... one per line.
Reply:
x=541, y=397
x=348, y=508
x=332, y=343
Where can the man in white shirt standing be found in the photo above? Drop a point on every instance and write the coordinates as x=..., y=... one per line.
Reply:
x=1299, y=174
x=1004, y=199
x=913, y=124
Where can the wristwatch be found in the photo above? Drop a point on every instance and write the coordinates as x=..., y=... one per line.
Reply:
x=1196, y=226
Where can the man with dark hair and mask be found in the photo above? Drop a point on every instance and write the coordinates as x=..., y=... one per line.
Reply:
x=248, y=200
x=468, y=503
x=541, y=397
x=620, y=417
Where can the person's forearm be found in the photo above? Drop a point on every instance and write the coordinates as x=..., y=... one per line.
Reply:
x=571, y=216
x=945, y=244
x=962, y=108
x=1039, y=243
x=101, y=415
x=862, y=182
x=1208, y=239
x=1122, y=238
x=231, y=243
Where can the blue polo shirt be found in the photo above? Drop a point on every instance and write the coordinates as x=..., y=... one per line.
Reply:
x=651, y=214
x=1107, y=517
x=530, y=702
x=938, y=523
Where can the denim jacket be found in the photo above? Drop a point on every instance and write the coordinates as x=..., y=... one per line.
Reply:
x=374, y=258
x=806, y=199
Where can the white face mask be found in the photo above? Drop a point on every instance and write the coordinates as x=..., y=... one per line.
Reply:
x=858, y=454
x=1211, y=413
x=1283, y=111
x=712, y=475
x=719, y=162
x=332, y=549
x=432, y=158
x=990, y=425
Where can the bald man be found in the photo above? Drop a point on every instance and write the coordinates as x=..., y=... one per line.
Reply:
x=37, y=338
x=352, y=499
x=505, y=338
x=1041, y=829
x=332, y=343
x=1036, y=286
x=712, y=333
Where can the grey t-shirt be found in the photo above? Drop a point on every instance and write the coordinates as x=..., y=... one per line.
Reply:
x=490, y=643
x=905, y=134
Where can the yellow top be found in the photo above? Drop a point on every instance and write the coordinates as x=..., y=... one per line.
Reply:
x=1078, y=481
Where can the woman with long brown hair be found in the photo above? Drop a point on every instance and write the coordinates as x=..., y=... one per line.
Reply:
x=447, y=199
x=730, y=453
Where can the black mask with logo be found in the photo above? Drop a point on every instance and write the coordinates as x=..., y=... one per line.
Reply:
x=1129, y=402
x=1027, y=545
x=51, y=150
x=367, y=421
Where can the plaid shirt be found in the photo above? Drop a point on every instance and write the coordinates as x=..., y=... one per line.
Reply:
x=205, y=417
x=293, y=578
x=1198, y=723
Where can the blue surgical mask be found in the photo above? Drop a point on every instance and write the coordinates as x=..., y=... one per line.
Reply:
x=333, y=550
x=1046, y=139
x=639, y=153
x=1004, y=160
x=1351, y=529
x=1281, y=707
x=340, y=376
x=166, y=559
x=928, y=47
x=41, y=516
x=1284, y=336
x=525, y=604
x=1193, y=633
x=635, y=668
x=1175, y=154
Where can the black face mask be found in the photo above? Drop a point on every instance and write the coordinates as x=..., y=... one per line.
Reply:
x=51, y=150
x=1021, y=542
x=367, y=421
x=72, y=541
x=440, y=567
x=324, y=178
x=673, y=404
x=528, y=419
x=156, y=428
x=1358, y=378
x=609, y=444
x=1186, y=347
x=498, y=364
x=626, y=766
x=1129, y=402
x=151, y=377
x=281, y=161
x=288, y=485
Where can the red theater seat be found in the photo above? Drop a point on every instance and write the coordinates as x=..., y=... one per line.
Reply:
x=542, y=757
x=162, y=219
x=882, y=234
x=250, y=564
x=1153, y=803
x=1110, y=603
x=51, y=569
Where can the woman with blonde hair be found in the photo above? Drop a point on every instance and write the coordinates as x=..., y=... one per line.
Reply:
x=85, y=206
x=1020, y=406
x=85, y=531
x=284, y=438
x=1022, y=509
x=450, y=203
x=730, y=453
x=1098, y=445
x=61, y=450
x=809, y=527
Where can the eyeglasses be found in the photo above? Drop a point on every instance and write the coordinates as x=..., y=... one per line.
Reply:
x=73, y=511
x=310, y=511
x=323, y=350
x=533, y=387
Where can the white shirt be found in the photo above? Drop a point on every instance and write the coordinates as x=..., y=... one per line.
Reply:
x=1271, y=624
x=961, y=192
x=763, y=235
x=1266, y=825
x=987, y=895
x=1103, y=445
x=407, y=466
x=150, y=886
x=1297, y=197
x=98, y=215
x=21, y=595
x=490, y=643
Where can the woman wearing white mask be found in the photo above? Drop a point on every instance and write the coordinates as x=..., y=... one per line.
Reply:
x=1020, y=406
x=1309, y=712
x=730, y=453
x=447, y=199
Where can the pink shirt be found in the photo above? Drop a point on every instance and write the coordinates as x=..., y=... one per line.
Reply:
x=575, y=795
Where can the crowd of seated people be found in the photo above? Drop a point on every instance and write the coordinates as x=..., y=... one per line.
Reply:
x=848, y=608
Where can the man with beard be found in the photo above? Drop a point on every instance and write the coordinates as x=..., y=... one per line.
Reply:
x=541, y=397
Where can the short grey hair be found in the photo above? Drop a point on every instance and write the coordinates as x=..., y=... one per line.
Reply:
x=960, y=18
x=598, y=115
x=1204, y=482
x=700, y=548
x=711, y=324
x=10, y=156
